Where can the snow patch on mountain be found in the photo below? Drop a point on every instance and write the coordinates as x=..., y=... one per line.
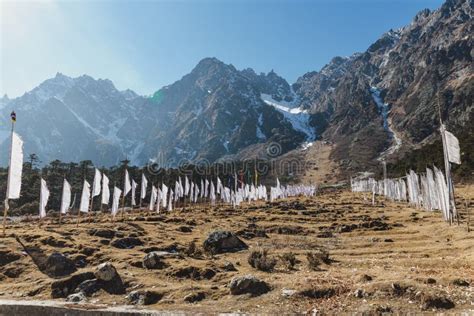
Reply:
x=384, y=110
x=298, y=117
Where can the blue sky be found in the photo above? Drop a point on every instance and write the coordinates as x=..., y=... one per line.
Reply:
x=144, y=45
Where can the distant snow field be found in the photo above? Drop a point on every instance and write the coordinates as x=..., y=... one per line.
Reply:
x=297, y=117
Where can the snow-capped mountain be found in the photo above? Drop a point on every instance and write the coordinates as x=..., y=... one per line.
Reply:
x=74, y=119
x=214, y=111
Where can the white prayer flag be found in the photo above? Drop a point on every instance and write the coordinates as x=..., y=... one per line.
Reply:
x=96, y=183
x=164, y=194
x=126, y=185
x=116, y=200
x=65, y=197
x=170, y=201
x=105, y=190
x=452, y=148
x=152, y=198
x=85, y=197
x=134, y=188
x=15, y=168
x=44, y=196
x=186, y=186
x=144, y=186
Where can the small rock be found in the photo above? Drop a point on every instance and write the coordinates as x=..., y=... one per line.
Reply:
x=365, y=278
x=126, y=243
x=288, y=293
x=430, y=281
x=89, y=287
x=105, y=271
x=76, y=298
x=144, y=297
x=228, y=266
x=440, y=302
x=248, y=284
x=64, y=287
x=223, y=241
x=194, y=297
x=460, y=282
x=104, y=233
x=153, y=260
x=359, y=293
x=185, y=229
x=58, y=264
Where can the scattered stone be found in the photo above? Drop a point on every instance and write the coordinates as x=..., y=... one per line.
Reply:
x=105, y=271
x=64, y=287
x=76, y=298
x=88, y=287
x=439, y=302
x=104, y=233
x=345, y=228
x=248, y=284
x=57, y=265
x=153, y=260
x=185, y=229
x=365, y=278
x=127, y=242
x=88, y=251
x=194, y=297
x=223, y=241
x=460, y=282
x=53, y=242
x=111, y=281
x=144, y=297
x=430, y=281
x=359, y=293
x=288, y=292
x=13, y=271
x=229, y=267
x=7, y=256
x=193, y=273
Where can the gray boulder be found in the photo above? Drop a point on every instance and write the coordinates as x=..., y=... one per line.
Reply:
x=144, y=297
x=223, y=241
x=154, y=259
x=76, y=298
x=109, y=279
x=57, y=265
x=248, y=284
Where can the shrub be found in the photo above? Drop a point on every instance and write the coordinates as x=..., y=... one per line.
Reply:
x=289, y=260
x=193, y=250
x=260, y=260
x=315, y=259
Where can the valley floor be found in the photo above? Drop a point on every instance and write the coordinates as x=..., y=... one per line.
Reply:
x=383, y=258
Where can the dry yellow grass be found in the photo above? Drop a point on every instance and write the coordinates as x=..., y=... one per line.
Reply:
x=410, y=247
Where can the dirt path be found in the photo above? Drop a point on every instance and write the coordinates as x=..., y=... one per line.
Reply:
x=387, y=257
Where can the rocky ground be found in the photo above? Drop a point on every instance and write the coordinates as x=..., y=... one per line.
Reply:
x=331, y=254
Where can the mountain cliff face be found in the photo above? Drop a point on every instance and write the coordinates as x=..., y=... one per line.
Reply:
x=212, y=112
x=378, y=104
x=383, y=102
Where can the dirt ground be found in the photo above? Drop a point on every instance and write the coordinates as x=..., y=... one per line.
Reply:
x=383, y=258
